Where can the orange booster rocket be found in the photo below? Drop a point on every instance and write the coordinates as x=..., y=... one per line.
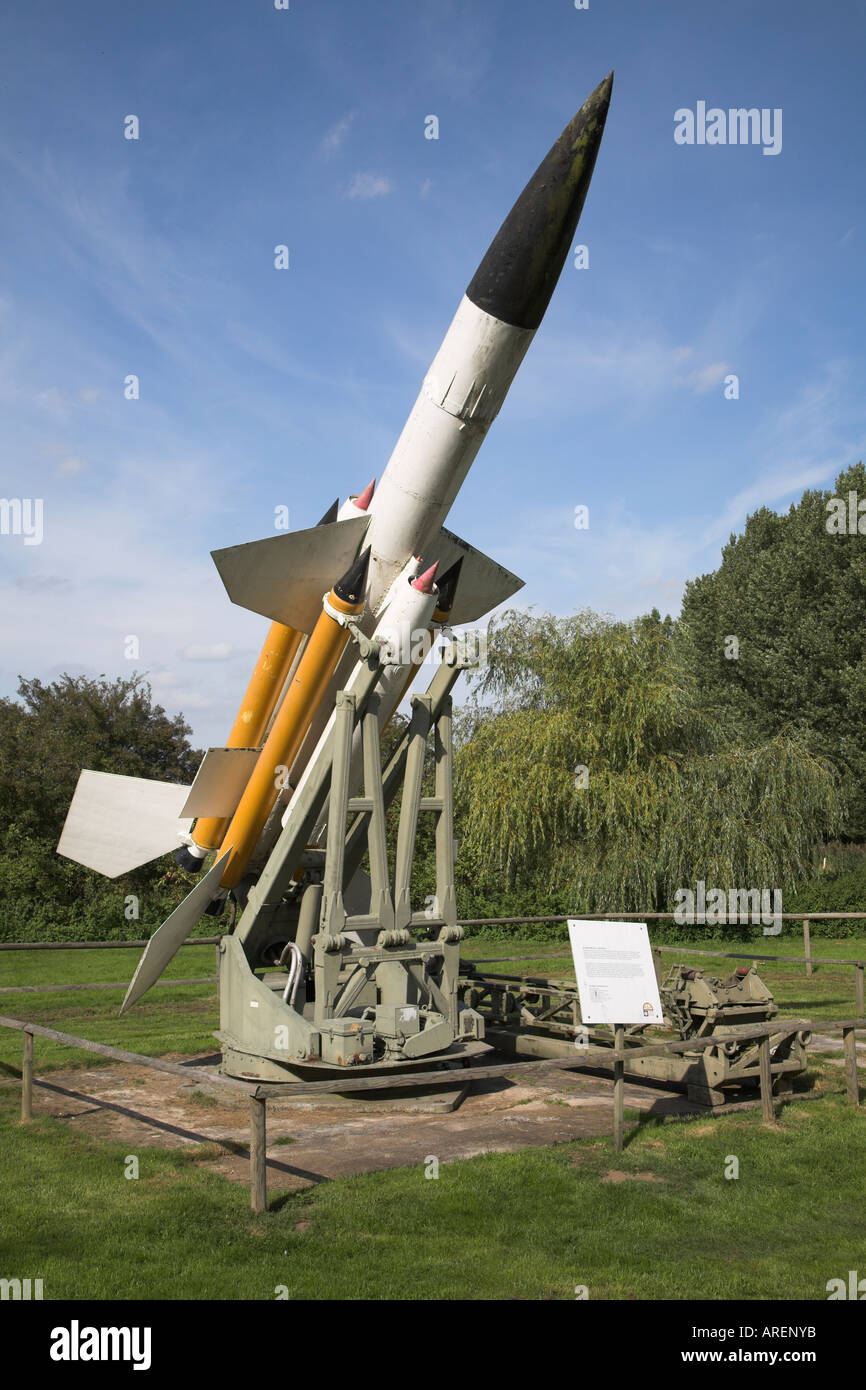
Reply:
x=322, y=653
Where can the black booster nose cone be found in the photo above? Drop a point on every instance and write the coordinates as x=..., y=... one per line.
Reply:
x=447, y=587
x=518, y=275
x=350, y=588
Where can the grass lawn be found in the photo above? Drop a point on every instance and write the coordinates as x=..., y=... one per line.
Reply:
x=166, y=1021
x=530, y=1225
x=183, y=1020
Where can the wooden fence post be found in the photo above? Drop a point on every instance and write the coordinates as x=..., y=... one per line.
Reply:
x=858, y=990
x=657, y=960
x=618, y=1088
x=258, y=1155
x=807, y=944
x=769, y=1109
x=27, y=1078
x=849, y=1042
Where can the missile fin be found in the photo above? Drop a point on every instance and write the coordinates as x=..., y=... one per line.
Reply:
x=114, y=824
x=484, y=583
x=167, y=939
x=284, y=577
x=220, y=781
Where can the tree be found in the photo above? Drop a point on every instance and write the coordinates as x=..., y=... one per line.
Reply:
x=793, y=596
x=109, y=726
x=591, y=773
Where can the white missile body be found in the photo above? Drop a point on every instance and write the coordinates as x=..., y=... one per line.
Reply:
x=458, y=402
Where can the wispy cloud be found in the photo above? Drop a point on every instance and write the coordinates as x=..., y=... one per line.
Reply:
x=610, y=363
x=369, y=186
x=705, y=379
x=338, y=132
x=626, y=564
x=208, y=651
x=68, y=467
x=105, y=572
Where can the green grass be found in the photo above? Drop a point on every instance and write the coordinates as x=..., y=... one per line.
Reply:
x=165, y=1022
x=530, y=1225
x=183, y=1020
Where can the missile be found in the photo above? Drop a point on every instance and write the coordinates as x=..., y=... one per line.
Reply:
x=283, y=577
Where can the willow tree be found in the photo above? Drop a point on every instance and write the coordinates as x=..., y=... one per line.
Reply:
x=590, y=771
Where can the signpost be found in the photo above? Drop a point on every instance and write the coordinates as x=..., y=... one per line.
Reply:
x=617, y=984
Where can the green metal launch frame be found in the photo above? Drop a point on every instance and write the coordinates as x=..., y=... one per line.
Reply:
x=360, y=990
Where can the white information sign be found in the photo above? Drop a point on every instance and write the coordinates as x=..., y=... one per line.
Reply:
x=616, y=979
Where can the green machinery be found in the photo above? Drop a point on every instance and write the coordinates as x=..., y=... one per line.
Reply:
x=541, y=1018
x=347, y=982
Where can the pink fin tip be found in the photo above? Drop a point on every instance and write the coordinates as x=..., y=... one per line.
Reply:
x=424, y=582
x=363, y=500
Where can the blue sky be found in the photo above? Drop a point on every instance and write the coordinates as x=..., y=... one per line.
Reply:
x=262, y=387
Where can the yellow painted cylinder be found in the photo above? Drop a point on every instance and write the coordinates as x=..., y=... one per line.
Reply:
x=275, y=660
x=322, y=653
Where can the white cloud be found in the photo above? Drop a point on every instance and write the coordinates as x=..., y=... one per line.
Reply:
x=107, y=570
x=704, y=379
x=208, y=651
x=68, y=467
x=338, y=132
x=369, y=186
x=626, y=564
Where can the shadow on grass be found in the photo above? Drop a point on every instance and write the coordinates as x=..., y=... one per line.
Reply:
x=238, y=1148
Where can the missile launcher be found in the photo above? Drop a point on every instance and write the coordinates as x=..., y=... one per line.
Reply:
x=325, y=965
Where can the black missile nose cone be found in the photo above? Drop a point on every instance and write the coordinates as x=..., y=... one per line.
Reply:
x=350, y=587
x=447, y=586
x=518, y=275
x=330, y=514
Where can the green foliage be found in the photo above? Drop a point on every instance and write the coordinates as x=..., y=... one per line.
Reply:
x=109, y=726
x=669, y=799
x=795, y=598
x=832, y=890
